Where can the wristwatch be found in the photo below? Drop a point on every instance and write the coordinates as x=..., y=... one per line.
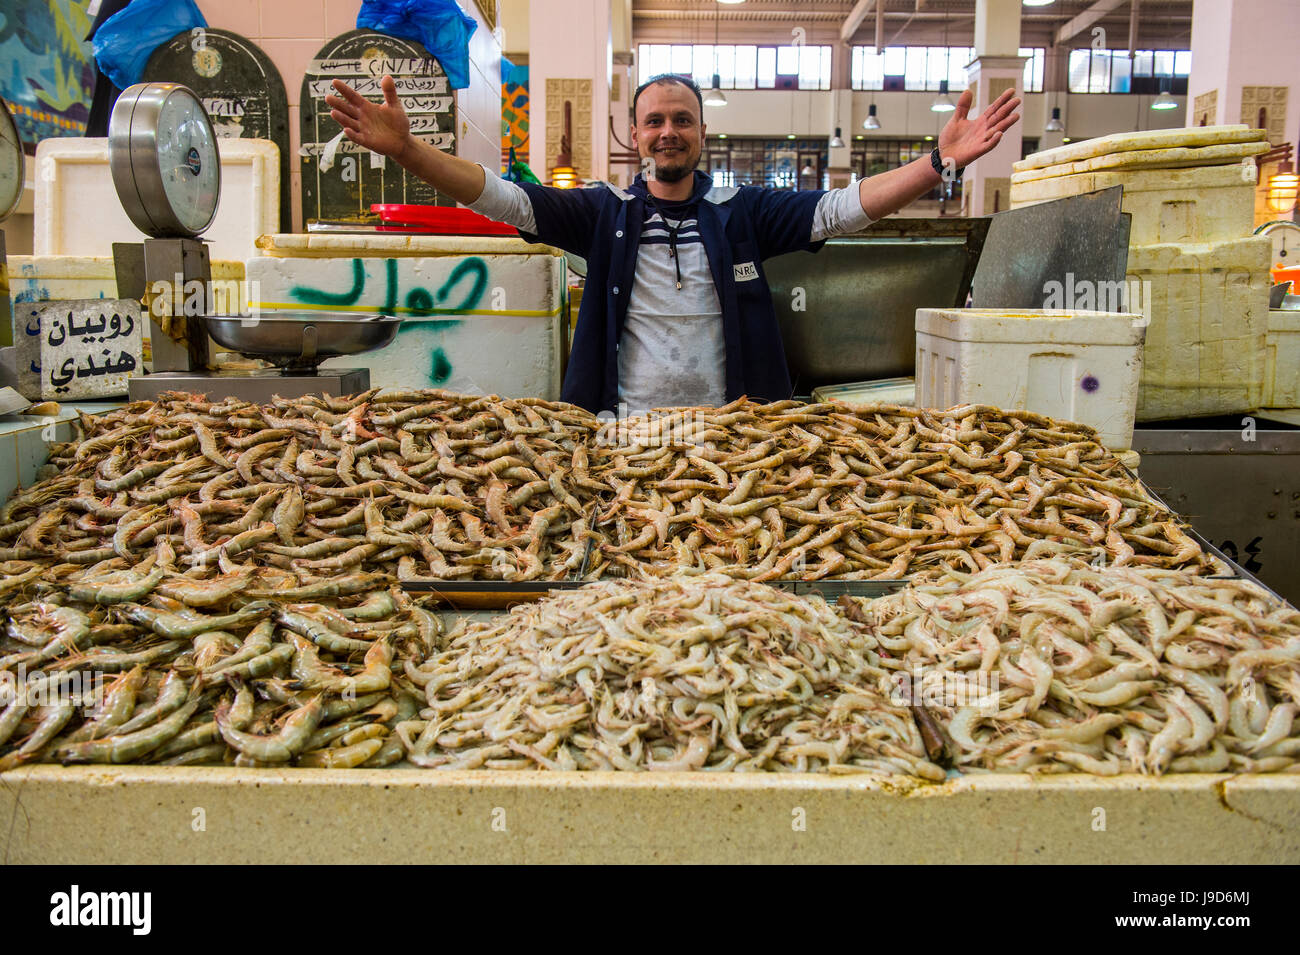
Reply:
x=937, y=163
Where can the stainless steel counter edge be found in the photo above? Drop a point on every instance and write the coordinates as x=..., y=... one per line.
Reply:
x=1218, y=441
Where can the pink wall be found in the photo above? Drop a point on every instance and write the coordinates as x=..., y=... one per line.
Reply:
x=292, y=31
x=569, y=39
x=1238, y=43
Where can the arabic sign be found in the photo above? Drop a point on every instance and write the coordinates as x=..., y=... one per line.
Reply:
x=241, y=89
x=79, y=349
x=341, y=180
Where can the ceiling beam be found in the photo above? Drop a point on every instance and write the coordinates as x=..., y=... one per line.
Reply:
x=1086, y=19
x=855, y=18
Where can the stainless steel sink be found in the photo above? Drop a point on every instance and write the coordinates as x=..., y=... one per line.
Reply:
x=301, y=340
x=861, y=292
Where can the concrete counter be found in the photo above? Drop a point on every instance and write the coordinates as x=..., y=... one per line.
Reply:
x=81, y=815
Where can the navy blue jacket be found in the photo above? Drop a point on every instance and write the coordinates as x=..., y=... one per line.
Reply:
x=740, y=227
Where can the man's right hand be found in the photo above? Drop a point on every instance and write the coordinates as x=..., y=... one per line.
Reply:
x=380, y=127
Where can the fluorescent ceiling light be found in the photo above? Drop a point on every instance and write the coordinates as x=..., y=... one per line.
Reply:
x=1164, y=101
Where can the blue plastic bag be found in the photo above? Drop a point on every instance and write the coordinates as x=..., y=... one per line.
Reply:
x=438, y=24
x=126, y=40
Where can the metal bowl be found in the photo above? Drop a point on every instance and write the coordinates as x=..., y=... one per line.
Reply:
x=301, y=340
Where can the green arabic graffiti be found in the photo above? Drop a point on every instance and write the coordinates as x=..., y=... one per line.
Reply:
x=419, y=301
x=312, y=296
x=440, y=370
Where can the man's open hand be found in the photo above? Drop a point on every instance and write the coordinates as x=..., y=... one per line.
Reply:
x=381, y=127
x=965, y=140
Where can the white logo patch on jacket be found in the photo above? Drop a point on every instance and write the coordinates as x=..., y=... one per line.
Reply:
x=745, y=271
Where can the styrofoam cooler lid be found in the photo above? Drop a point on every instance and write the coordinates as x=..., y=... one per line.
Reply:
x=1186, y=137
x=1032, y=326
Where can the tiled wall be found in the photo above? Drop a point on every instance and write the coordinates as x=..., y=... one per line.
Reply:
x=292, y=31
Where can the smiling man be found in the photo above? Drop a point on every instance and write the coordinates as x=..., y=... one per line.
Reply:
x=677, y=311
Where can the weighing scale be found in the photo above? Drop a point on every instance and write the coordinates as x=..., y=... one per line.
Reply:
x=167, y=173
x=12, y=164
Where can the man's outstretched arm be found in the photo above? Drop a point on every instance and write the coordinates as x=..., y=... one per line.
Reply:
x=961, y=141
x=384, y=128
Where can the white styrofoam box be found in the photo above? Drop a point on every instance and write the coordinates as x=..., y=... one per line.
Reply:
x=1172, y=205
x=1074, y=365
x=78, y=212
x=58, y=278
x=1183, y=137
x=1282, y=359
x=1208, y=310
x=474, y=321
x=51, y=278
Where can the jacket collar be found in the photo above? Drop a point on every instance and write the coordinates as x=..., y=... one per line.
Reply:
x=703, y=183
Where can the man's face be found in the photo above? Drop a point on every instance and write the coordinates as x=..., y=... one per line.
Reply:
x=669, y=131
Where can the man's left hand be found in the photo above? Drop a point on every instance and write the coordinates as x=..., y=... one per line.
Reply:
x=964, y=140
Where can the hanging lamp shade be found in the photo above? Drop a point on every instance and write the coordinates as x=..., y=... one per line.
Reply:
x=943, y=102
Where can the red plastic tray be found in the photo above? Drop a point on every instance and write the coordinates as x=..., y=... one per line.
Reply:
x=440, y=220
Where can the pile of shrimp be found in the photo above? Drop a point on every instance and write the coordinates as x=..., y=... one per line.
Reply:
x=788, y=490
x=1055, y=665
x=304, y=681
x=687, y=673
x=439, y=485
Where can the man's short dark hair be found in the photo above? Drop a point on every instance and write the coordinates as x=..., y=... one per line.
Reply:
x=669, y=79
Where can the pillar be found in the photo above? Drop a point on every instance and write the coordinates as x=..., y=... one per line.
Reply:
x=997, y=67
x=1234, y=80
x=1235, y=74
x=570, y=57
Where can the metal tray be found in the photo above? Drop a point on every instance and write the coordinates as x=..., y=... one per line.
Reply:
x=848, y=312
x=503, y=594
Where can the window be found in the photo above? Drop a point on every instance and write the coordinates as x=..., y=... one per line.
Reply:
x=773, y=163
x=870, y=157
x=923, y=68
x=1121, y=74
x=766, y=67
x=1033, y=81
x=743, y=67
x=958, y=57
x=1112, y=71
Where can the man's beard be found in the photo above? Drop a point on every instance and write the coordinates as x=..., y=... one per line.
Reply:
x=671, y=174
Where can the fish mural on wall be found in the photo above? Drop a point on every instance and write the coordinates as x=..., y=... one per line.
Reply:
x=46, y=70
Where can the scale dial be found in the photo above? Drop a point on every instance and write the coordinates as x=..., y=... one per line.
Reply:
x=12, y=163
x=163, y=154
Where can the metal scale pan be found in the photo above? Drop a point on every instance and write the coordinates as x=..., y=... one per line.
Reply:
x=295, y=342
